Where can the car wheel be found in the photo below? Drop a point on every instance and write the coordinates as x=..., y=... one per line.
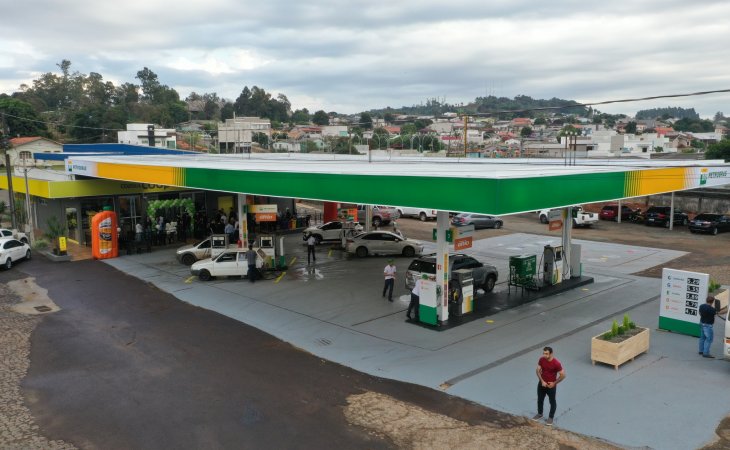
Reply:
x=317, y=239
x=188, y=259
x=489, y=283
x=685, y=221
x=575, y=223
x=27, y=254
x=693, y=231
x=409, y=251
x=497, y=225
x=423, y=217
x=377, y=221
x=361, y=252
x=666, y=224
x=24, y=240
x=8, y=264
x=543, y=219
x=204, y=275
x=714, y=230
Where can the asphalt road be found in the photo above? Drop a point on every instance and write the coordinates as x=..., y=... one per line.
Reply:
x=124, y=365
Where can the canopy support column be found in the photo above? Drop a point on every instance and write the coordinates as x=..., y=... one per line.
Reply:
x=442, y=266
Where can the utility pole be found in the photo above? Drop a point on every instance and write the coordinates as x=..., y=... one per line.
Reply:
x=28, y=210
x=5, y=146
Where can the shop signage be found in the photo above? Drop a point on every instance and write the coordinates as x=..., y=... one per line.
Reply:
x=462, y=243
x=347, y=214
x=265, y=217
x=463, y=232
x=681, y=295
x=262, y=209
x=555, y=219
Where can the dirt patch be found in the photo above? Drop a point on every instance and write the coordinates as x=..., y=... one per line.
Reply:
x=410, y=426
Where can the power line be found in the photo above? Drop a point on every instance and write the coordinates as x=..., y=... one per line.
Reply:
x=61, y=124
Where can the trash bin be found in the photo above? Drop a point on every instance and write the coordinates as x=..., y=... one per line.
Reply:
x=293, y=224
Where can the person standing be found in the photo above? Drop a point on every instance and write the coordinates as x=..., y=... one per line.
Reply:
x=389, y=274
x=251, y=261
x=311, y=243
x=416, y=298
x=707, y=322
x=550, y=372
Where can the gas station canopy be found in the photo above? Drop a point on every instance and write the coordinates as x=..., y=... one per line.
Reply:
x=487, y=186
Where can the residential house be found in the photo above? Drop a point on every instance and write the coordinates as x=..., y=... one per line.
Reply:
x=236, y=134
x=23, y=148
x=143, y=133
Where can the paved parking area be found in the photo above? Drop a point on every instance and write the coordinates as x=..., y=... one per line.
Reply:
x=334, y=310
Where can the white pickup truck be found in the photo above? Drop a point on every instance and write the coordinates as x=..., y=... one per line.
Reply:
x=331, y=231
x=421, y=213
x=4, y=232
x=581, y=219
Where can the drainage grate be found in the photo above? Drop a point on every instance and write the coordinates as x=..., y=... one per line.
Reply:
x=323, y=341
x=42, y=308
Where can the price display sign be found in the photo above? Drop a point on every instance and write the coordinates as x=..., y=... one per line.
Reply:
x=682, y=293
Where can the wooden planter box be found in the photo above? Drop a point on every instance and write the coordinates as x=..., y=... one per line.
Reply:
x=617, y=353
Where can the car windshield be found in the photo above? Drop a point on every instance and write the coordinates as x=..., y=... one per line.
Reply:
x=203, y=243
x=707, y=217
x=420, y=265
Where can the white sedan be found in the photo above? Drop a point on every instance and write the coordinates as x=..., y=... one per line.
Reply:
x=382, y=243
x=12, y=250
x=231, y=262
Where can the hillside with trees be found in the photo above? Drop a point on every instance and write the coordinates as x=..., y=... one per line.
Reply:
x=667, y=113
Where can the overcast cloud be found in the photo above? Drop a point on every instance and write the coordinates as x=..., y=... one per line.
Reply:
x=353, y=56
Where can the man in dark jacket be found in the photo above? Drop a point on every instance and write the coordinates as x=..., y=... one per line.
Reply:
x=707, y=321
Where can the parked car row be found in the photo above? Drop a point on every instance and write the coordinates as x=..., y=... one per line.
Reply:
x=660, y=215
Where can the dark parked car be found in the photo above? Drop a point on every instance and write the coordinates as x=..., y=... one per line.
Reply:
x=478, y=220
x=485, y=275
x=709, y=223
x=659, y=215
x=610, y=212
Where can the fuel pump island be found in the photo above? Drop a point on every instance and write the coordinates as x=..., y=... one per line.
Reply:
x=451, y=298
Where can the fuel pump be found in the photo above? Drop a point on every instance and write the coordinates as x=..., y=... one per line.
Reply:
x=461, y=292
x=552, y=257
x=266, y=244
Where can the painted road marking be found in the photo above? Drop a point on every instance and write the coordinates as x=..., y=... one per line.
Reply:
x=280, y=277
x=189, y=279
x=329, y=254
x=291, y=263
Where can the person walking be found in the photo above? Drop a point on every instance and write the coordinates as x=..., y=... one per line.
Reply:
x=415, y=298
x=550, y=372
x=707, y=322
x=311, y=243
x=252, y=272
x=389, y=274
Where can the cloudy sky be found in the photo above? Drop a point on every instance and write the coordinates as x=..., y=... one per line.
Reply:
x=350, y=56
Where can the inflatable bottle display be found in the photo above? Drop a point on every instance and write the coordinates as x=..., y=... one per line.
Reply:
x=104, y=242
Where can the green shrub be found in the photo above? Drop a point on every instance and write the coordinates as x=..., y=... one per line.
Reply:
x=40, y=244
x=607, y=336
x=632, y=325
x=626, y=322
x=620, y=330
x=713, y=286
x=614, y=328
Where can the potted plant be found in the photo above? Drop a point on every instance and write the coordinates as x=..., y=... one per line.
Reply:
x=720, y=293
x=620, y=344
x=55, y=230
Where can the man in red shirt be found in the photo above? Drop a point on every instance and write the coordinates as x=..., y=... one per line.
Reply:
x=550, y=372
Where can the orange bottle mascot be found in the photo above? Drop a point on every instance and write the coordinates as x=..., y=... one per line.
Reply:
x=104, y=236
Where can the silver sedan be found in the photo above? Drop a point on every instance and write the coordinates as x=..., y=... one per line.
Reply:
x=382, y=243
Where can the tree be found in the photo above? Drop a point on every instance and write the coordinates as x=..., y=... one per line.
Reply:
x=540, y=121
x=719, y=116
x=227, y=111
x=320, y=118
x=366, y=121
x=720, y=150
x=526, y=132
x=21, y=119
x=150, y=84
x=388, y=118
x=630, y=127
x=300, y=116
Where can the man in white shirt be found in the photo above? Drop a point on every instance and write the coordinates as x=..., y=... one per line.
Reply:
x=389, y=273
x=311, y=243
x=415, y=298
